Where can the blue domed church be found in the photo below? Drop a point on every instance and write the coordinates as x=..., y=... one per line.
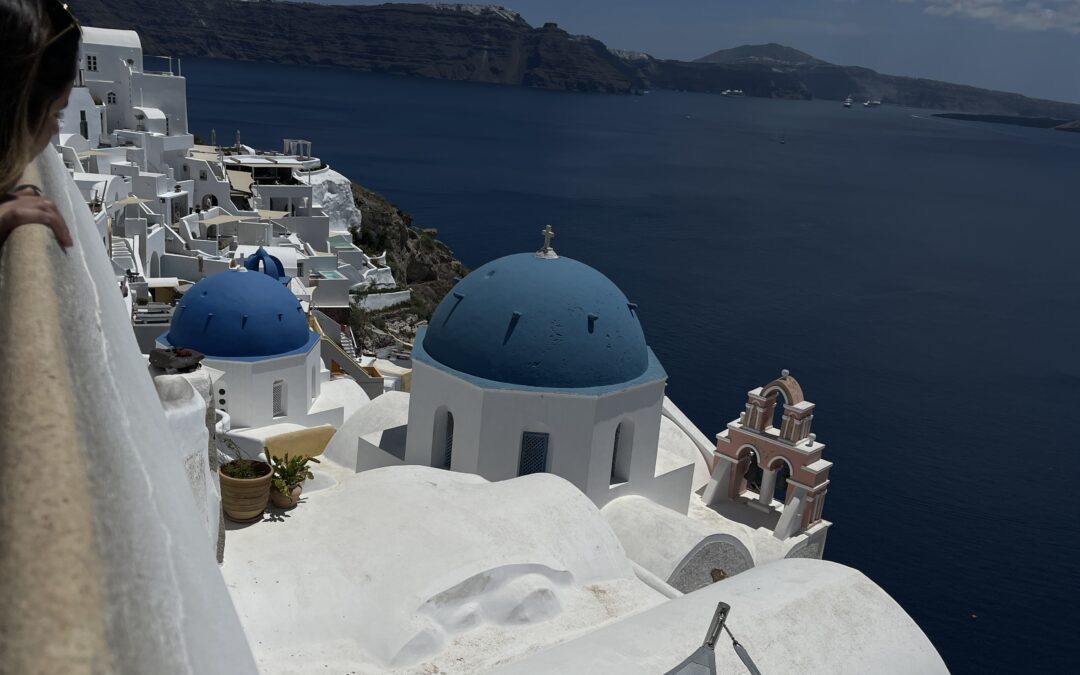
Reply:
x=254, y=330
x=538, y=363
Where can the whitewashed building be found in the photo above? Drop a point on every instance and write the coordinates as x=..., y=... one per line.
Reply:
x=536, y=362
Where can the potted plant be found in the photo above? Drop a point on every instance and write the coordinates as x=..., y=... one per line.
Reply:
x=289, y=476
x=245, y=488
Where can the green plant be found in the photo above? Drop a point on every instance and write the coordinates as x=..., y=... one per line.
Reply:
x=290, y=472
x=243, y=468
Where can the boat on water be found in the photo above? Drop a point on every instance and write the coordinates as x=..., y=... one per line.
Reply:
x=732, y=92
x=875, y=102
x=848, y=102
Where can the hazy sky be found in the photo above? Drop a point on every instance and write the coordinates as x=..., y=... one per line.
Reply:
x=1028, y=46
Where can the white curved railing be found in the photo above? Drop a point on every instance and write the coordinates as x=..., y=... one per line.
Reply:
x=50, y=567
x=104, y=565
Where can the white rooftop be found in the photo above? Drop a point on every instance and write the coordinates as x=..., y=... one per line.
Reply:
x=415, y=569
x=793, y=616
x=111, y=36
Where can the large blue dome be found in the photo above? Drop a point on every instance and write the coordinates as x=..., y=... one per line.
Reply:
x=542, y=322
x=239, y=314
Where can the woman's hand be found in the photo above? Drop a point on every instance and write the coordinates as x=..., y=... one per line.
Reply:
x=24, y=207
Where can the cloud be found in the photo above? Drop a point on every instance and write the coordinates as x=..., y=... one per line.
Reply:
x=1036, y=15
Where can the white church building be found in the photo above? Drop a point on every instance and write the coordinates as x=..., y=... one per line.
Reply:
x=255, y=332
x=537, y=362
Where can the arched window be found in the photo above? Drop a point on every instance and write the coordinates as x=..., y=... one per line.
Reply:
x=280, y=402
x=534, y=453
x=752, y=475
x=448, y=446
x=783, y=472
x=778, y=410
x=620, y=452
x=110, y=98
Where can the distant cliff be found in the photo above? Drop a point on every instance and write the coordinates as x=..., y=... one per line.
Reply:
x=779, y=71
x=450, y=42
x=490, y=44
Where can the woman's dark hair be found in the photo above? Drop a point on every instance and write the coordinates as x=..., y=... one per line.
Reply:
x=39, y=58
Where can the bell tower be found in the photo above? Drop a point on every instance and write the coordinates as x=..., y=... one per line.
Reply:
x=772, y=462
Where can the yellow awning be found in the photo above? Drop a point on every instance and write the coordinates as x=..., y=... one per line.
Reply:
x=240, y=181
x=218, y=220
x=306, y=442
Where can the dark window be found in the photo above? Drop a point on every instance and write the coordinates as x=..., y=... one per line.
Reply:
x=620, y=453
x=448, y=449
x=91, y=62
x=534, y=452
x=279, y=398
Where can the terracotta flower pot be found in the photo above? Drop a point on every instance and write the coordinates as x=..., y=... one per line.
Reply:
x=244, y=499
x=283, y=502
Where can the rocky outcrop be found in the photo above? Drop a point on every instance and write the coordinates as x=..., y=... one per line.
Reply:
x=333, y=192
x=418, y=260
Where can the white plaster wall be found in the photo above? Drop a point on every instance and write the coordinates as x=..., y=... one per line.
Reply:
x=431, y=390
x=348, y=447
x=380, y=277
x=81, y=101
x=167, y=93
x=352, y=256
x=507, y=414
x=167, y=605
x=374, y=301
x=641, y=406
x=331, y=293
x=253, y=233
x=312, y=229
x=185, y=409
x=112, y=75
x=489, y=423
x=250, y=386
x=190, y=268
x=210, y=185
x=153, y=244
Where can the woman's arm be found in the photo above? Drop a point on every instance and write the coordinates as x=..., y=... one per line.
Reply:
x=25, y=206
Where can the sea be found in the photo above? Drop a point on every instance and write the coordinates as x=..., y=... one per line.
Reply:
x=918, y=276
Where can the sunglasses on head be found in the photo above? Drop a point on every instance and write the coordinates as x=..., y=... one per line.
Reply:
x=62, y=19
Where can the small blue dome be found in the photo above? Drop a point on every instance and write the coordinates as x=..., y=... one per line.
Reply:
x=540, y=322
x=271, y=266
x=239, y=314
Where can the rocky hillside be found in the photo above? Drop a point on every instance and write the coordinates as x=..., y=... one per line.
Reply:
x=491, y=44
x=771, y=54
x=782, y=72
x=418, y=260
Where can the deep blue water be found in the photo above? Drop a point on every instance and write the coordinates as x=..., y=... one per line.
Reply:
x=918, y=276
